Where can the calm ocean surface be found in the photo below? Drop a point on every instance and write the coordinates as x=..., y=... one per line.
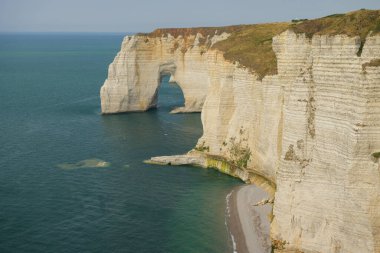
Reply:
x=50, y=120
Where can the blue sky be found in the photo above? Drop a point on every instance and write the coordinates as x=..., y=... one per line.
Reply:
x=146, y=15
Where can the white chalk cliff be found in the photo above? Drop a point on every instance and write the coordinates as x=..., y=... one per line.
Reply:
x=134, y=76
x=313, y=129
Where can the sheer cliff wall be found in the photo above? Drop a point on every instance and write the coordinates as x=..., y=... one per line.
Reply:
x=313, y=129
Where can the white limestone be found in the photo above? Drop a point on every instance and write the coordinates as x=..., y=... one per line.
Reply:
x=133, y=77
x=311, y=129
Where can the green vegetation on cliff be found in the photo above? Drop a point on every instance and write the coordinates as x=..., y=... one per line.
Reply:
x=373, y=63
x=251, y=45
x=184, y=32
x=357, y=23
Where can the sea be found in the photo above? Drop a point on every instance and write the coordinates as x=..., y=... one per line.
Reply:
x=73, y=180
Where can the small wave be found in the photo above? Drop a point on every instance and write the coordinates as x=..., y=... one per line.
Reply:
x=88, y=163
x=233, y=243
x=228, y=215
x=228, y=197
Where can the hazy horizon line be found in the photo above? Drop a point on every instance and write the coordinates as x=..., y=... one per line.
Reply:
x=61, y=32
x=170, y=27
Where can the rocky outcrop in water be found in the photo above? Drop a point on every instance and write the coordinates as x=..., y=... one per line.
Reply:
x=313, y=129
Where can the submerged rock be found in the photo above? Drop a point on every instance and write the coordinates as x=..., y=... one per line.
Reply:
x=88, y=163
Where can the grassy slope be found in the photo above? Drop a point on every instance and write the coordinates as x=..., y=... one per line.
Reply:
x=251, y=45
x=357, y=23
x=205, y=31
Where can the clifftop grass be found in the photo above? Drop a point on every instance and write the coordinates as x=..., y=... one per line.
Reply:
x=251, y=45
x=184, y=32
x=357, y=23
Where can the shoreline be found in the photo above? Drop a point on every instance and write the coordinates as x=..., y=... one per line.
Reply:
x=248, y=219
x=249, y=207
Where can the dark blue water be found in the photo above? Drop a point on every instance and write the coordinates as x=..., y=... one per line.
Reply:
x=50, y=121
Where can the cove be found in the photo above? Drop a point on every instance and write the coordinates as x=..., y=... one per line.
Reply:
x=51, y=116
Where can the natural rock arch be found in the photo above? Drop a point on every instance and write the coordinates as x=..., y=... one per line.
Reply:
x=165, y=69
x=134, y=75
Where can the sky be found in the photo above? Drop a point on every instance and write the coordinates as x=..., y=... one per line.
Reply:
x=146, y=15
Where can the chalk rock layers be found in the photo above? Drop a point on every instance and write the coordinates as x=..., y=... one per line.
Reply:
x=328, y=182
x=134, y=76
x=313, y=129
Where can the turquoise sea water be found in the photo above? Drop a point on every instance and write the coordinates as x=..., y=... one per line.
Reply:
x=54, y=198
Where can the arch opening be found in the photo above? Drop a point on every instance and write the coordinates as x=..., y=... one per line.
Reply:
x=168, y=96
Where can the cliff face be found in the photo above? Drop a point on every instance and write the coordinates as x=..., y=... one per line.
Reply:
x=313, y=129
x=330, y=131
x=134, y=76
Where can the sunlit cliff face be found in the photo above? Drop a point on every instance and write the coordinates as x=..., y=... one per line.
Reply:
x=313, y=129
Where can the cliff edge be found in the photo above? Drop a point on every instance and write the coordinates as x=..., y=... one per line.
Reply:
x=297, y=103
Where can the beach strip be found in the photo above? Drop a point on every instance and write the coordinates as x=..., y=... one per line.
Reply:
x=248, y=219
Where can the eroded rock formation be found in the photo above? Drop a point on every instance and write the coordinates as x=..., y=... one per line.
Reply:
x=313, y=129
x=134, y=76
